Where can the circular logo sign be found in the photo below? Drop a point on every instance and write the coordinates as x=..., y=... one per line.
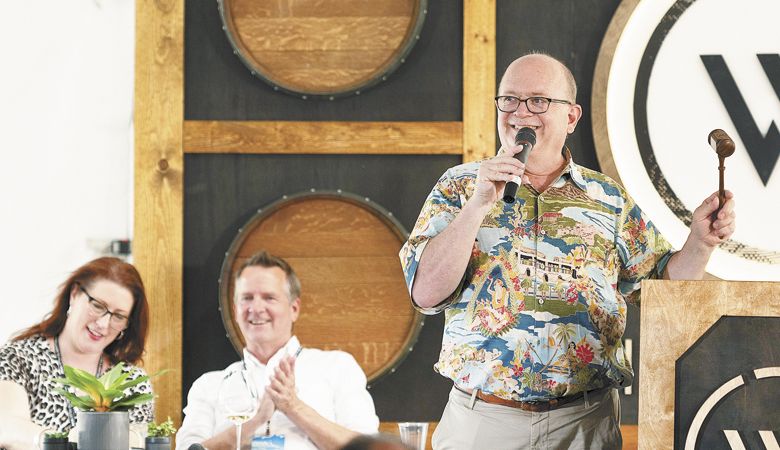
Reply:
x=671, y=71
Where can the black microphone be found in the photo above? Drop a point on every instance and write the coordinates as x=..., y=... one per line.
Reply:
x=196, y=447
x=527, y=138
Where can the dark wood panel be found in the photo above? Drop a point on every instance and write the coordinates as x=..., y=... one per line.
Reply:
x=223, y=191
x=427, y=87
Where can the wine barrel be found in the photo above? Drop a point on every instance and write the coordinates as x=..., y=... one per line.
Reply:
x=344, y=249
x=322, y=48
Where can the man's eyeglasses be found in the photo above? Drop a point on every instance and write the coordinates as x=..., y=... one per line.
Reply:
x=535, y=105
x=99, y=309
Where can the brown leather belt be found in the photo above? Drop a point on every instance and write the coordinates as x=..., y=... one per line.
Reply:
x=540, y=406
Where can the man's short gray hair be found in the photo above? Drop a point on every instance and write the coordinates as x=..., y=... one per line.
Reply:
x=267, y=260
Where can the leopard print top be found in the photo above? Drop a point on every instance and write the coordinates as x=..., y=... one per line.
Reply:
x=32, y=364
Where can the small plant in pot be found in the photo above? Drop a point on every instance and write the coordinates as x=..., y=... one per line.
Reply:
x=55, y=440
x=158, y=436
x=103, y=420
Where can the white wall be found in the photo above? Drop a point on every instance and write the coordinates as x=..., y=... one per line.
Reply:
x=66, y=91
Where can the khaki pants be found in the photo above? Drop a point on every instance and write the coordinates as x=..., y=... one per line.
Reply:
x=485, y=426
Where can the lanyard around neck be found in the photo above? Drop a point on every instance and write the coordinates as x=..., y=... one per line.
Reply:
x=71, y=411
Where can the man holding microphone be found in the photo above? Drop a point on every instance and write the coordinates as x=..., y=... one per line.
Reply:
x=539, y=367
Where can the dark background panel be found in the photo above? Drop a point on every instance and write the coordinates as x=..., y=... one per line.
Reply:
x=629, y=404
x=222, y=192
x=570, y=31
x=428, y=87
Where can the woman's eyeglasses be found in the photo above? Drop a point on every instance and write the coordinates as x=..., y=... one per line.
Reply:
x=99, y=309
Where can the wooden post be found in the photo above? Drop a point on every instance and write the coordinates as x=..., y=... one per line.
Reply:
x=158, y=215
x=479, y=79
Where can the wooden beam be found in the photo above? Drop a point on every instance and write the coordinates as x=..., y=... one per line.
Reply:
x=322, y=137
x=479, y=79
x=159, y=163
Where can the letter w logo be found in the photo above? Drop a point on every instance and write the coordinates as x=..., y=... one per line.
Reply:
x=736, y=443
x=763, y=150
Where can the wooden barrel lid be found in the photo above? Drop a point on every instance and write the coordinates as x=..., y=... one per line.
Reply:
x=344, y=249
x=322, y=47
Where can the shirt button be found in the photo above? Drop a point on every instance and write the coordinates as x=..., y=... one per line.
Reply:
x=541, y=301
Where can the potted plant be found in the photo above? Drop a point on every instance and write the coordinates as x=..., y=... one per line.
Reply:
x=103, y=420
x=158, y=436
x=55, y=440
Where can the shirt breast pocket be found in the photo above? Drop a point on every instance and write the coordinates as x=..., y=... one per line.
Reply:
x=318, y=394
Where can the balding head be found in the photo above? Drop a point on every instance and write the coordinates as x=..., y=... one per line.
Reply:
x=551, y=64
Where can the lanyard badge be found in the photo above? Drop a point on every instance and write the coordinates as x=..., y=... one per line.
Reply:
x=272, y=442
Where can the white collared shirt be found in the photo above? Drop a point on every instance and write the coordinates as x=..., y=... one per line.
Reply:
x=331, y=382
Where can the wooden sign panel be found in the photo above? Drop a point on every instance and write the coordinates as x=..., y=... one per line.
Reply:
x=675, y=315
x=322, y=47
x=344, y=249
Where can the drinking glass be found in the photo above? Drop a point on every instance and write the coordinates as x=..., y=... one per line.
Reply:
x=414, y=434
x=238, y=399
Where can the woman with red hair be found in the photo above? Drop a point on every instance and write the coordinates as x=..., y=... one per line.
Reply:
x=100, y=318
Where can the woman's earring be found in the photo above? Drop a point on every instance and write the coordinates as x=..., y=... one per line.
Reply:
x=121, y=335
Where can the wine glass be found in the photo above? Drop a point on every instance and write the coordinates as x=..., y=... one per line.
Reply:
x=238, y=398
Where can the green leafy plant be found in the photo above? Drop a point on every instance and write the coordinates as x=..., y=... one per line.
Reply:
x=56, y=434
x=164, y=429
x=103, y=394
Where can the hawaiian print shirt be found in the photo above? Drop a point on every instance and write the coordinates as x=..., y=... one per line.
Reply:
x=541, y=310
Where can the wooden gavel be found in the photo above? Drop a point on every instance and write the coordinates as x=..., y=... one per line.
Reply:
x=724, y=147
